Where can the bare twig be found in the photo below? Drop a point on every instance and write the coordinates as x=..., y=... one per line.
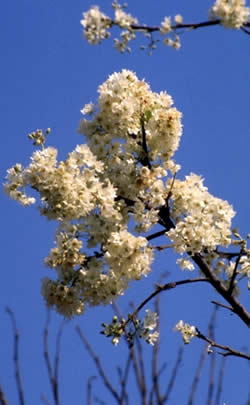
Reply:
x=46, y=352
x=57, y=359
x=156, y=235
x=173, y=376
x=45, y=400
x=162, y=247
x=16, y=357
x=219, y=304
x=143, y=384
x=3, y=400
x=211, y=327
x=197, y=377
x=165, y=287
x=146, y=160
x=89, y=389
x=53, y=375
x=99, y=366
x=232, y=281
x=227, y=350
x=155, y=372
x=124, y=378
x=238, y=308
x=220, y=382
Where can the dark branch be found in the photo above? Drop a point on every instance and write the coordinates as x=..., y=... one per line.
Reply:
x=176, y=27
x=3, y=400
x=16, y=357
x=228, y=351
x=99, y=367
x=221, y=289
x=165, y=287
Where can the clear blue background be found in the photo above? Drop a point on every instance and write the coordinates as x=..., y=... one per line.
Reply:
x=48, y=73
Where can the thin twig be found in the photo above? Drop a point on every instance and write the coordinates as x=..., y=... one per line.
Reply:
x=228, y=351
x=165, y=287
x=3, y=400
x=234, y=275
x=136, y=371
x=53, y=375
x=146, y=160
x=220, y=382
x=124, y=378
x=45, y=400
x=16, y=357
x=173, y=376
x=57, y=359
x=143, y=385
x=89, y=390
x=197, y=377
x=156, y=235
x=211, y=335
x=99, y=367
x=219, y=304
x=155, y=355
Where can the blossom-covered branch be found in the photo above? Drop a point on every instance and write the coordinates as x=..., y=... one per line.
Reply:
x=126, y=174
x=229, y=13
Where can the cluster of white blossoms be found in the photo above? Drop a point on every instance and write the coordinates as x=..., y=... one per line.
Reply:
x=143, y=329
x=166, y=27
x=96, y=25
x=201, y=220
x=123, y=180
x=187, y=331
x=232, y=13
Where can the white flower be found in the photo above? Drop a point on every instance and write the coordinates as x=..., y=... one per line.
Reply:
x=202, y=220
x=185, y=264
x=88, y=109
x=95, y=24
x=178, y=19
x=165, y=25
x=232, y=13
x=187, y=331
x=150, y=320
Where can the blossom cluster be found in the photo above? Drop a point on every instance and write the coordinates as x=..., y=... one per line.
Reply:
x=96, y=25
x=133, y=327
x=107, y=193
x=187, y=331
x=201, y=219
x=232, y=13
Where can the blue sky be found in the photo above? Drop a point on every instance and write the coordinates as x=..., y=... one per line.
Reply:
x=48, y=73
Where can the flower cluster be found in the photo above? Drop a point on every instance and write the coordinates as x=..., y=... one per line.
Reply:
x=132, y=328
x=123, y=180
x=187, y=331
x=96, y=25
x=202, y=220
x=232, y=13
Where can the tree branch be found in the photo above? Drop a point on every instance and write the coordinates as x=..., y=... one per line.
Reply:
x=221, y=289
x=53, y=375
x=165, y=287
x=228, y=351
x=98, y=365
x=3, y=400
x=16, y=357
